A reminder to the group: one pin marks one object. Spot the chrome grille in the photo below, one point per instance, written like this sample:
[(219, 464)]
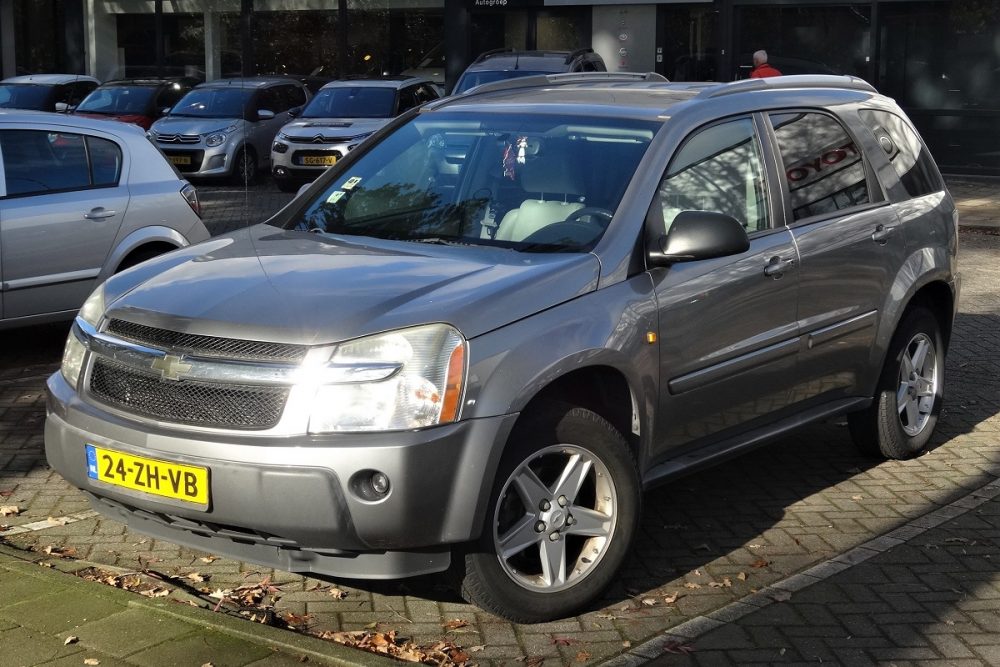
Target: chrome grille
[(206, 346), (217, 405), (318, 139), (178, 138)]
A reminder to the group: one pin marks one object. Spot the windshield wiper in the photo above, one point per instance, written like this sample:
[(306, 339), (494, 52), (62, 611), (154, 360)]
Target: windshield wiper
[(437, 240)]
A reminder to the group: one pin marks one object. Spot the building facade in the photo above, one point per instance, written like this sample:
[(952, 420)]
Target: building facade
[(939, 58)]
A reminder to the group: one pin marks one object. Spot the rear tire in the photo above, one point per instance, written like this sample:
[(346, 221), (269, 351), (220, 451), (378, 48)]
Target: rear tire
[(287, 186), (562, 514), (901, 420)]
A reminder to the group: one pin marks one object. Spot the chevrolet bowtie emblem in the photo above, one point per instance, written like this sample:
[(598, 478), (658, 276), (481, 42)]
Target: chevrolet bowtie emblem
[(170, 367)]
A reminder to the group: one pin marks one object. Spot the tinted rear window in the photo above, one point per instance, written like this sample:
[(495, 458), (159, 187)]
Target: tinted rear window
[(906, 152)]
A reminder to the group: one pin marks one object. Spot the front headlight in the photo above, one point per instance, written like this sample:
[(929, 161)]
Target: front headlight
[(216, 139), (91, 313), (404, 379)]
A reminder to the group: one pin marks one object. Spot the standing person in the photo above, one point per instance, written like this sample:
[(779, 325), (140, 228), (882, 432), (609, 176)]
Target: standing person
[(760, 66)]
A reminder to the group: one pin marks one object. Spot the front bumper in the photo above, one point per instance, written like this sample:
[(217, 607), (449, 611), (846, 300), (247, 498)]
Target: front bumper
[(293, 163), (199, 160), (288, 502)]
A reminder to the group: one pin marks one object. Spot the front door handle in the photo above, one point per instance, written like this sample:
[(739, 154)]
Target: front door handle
[(99, 213), (882, 233), (777, 266)]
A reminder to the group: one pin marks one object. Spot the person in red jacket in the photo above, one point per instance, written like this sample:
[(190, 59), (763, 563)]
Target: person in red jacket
[(760, 66)]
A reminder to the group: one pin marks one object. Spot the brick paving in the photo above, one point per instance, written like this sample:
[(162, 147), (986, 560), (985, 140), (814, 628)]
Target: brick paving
[(705, 541)]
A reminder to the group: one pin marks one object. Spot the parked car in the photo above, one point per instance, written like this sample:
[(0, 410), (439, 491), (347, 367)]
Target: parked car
[(334, 122), (477, 339), (137, 101), (45, 92), (510, 64), (224, 128), (81, 199)]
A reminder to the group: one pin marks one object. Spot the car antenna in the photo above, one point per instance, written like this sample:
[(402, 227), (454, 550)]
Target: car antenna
[(517, 61)]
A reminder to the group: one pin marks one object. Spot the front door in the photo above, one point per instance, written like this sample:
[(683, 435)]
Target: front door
[(61, 211), (727, 326)]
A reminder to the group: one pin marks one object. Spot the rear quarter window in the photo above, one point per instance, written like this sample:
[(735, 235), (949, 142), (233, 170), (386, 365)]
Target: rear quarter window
[(907, 154)]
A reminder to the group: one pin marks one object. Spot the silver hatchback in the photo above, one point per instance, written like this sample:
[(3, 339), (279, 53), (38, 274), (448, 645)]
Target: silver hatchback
[(224, 128), (81, 199)]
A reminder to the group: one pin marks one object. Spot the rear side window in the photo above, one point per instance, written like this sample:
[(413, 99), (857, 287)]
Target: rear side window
[(907, 154), (824, 169), (36, 162)]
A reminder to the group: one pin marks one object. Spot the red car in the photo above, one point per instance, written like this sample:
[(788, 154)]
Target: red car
[(137, 101)]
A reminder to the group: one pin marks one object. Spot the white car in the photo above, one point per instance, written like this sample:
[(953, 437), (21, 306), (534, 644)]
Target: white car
[(342, 114), (81, 199)]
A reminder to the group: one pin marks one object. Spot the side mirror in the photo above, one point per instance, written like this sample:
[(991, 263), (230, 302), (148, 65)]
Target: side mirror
[(165, 110), (696, 235), (294, 112), (62, 107), (265, 114)]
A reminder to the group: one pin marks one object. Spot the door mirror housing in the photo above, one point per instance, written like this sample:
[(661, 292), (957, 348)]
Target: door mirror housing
[(63, 107), (294, 112), (696, 235), (265, 114)]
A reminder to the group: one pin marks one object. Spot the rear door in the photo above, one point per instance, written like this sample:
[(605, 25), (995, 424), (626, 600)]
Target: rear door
[(63, 202), (850, 248), (727, 326)]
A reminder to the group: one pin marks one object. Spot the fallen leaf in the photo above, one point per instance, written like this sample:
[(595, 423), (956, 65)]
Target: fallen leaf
[(672, 598), (677, 647), (725, 583), (857, 497), (692, 585), (607, 617), (9, 510), (649, 602), (454, 624), (6, 494), (337, 594), (72, 639), (196, 577), (62, 521), (759, 563), (626, 644), (755, 546), (208, 559), (372, 626), (781, 596), (219, 593), (91, 661), (208, 664), (562, 641), (477, 648), (582, 656), (742, 576)]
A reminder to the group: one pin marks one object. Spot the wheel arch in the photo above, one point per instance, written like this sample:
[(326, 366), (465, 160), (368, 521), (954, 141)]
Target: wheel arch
[(153, 236)]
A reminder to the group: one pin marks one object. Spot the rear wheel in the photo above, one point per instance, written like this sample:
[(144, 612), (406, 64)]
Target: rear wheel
[(902, 418), (563, 512), (286, 185)]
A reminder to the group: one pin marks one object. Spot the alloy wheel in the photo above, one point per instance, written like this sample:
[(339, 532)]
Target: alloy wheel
[(918, 384)]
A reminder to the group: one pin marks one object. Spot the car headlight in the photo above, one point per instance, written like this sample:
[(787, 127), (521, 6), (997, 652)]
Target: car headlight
[(283, 136), (216, 139), (152, 134), (90, 313), (403, 379)]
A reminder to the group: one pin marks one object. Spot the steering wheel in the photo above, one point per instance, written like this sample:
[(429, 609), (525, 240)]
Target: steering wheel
[(603, 215), (567, 232)]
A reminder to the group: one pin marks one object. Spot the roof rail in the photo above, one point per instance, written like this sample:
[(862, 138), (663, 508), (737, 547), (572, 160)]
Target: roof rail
[(567, 77), (492, 52), (795, 81)]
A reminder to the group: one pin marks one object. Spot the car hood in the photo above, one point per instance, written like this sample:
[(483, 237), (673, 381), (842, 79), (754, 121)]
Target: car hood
[(265, 283), (185, 125), (333, 127)]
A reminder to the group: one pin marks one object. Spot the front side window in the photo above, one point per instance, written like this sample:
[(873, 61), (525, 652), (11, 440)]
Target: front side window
[(25, 96), (907, 154), (37, 161), (824, 168), (527, 183), (718, 169)]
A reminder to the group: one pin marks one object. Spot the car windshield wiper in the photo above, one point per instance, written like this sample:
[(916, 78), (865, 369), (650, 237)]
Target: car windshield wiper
[(437, 240)]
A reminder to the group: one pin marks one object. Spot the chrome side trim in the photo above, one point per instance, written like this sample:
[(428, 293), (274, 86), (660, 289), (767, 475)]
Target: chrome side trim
[(705, 376), (834, 331), (51, 279)]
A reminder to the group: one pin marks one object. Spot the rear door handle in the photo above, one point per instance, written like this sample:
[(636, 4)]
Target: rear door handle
[(882, 233), (99, 213), (777, 266)]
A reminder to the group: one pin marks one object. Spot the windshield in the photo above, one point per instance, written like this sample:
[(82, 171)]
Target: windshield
[(352, 102), (473, 79), (214, 103), (118, 100), (534, 183), (25, 96)]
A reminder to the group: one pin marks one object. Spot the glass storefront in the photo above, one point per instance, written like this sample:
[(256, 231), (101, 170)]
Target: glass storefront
[(690, 42)]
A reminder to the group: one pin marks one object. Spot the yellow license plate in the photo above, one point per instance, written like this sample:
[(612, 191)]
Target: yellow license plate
[(319, 160), (179, 159), (160, 478)]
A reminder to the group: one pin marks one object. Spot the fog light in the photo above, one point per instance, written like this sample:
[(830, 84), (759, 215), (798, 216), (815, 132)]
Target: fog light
[(380, 483), (280, 172)]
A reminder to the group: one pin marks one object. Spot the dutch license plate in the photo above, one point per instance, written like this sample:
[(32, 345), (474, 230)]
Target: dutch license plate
[(160, 478), (319, 160), (180, 159)]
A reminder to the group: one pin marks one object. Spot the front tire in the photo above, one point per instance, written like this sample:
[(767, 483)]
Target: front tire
[(562, 514), (900, 422), (244, 167)]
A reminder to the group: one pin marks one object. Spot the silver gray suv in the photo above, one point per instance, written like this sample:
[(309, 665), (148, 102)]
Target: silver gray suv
[(478, 338)]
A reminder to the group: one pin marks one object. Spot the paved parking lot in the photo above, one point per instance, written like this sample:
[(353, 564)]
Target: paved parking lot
[(706, 543)]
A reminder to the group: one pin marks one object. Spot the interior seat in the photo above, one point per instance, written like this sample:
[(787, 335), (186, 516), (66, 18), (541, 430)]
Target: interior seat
[(557, 184)]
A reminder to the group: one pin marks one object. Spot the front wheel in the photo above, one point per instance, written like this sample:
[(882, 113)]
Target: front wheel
[(902, 418), (244, 167), (562, 515)]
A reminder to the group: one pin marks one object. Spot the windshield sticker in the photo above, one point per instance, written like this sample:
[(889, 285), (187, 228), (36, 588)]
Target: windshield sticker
[(335, 197), (351, 183)]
